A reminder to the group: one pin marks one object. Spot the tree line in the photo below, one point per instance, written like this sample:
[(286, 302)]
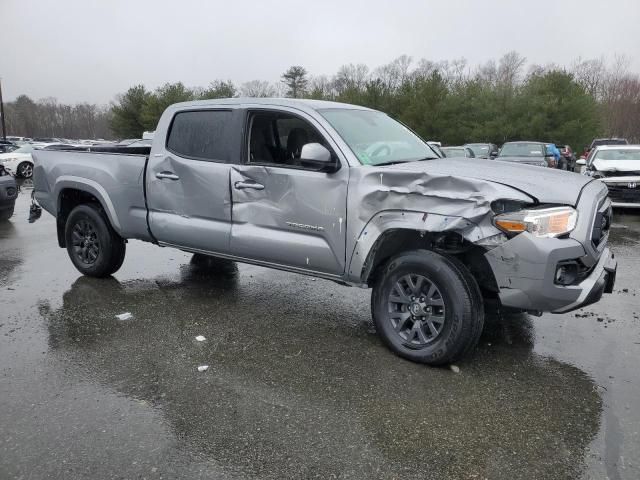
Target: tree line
[(449, 101), (47, 118)]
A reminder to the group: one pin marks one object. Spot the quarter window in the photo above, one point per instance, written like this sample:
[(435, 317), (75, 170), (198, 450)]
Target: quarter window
[(201, 134)]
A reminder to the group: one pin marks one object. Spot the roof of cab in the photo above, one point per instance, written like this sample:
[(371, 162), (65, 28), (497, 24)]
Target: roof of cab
[(299, 103)]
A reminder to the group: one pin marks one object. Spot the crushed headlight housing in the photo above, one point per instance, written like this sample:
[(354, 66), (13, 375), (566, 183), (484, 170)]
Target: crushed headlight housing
[(544, 222)]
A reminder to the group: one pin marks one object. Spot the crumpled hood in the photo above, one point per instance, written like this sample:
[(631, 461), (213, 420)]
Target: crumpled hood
[(617, 165), (546, 185)]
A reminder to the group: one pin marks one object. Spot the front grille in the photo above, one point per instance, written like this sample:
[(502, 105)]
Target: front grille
[(616, 173), (624, 193), (601, 224)]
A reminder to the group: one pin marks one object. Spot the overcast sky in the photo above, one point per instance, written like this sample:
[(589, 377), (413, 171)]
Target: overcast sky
[(90, 50)]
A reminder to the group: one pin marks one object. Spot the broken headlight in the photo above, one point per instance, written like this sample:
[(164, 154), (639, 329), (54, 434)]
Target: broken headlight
[(544, 222)]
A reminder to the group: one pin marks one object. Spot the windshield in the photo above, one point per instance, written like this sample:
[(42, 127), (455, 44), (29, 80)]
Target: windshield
[(522, 149), (24, 149), (618, 154), (453, 152), (376, 138), (479, 149)]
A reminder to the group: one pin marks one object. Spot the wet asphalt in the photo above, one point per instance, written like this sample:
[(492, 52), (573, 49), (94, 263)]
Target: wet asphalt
[(298, 384)]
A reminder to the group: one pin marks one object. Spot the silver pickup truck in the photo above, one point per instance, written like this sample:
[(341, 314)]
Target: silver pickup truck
[(343, 193)]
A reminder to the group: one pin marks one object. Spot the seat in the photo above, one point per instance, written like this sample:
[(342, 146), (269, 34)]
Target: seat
[(258, 150), (297, 138)]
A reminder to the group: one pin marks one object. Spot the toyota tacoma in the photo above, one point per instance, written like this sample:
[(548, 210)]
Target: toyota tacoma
[(344, 193)]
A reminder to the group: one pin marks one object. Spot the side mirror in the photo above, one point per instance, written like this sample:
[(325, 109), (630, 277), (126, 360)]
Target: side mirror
[(316, 155), (581, 161), (493, 154)]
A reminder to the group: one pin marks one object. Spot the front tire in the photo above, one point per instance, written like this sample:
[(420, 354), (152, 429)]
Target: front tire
[(427, 307), (25, 170), (95, 249)]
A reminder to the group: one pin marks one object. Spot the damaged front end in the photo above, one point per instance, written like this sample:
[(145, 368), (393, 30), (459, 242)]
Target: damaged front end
[(533, 254), (401, 209)]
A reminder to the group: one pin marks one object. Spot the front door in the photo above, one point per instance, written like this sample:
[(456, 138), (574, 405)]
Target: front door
[(283, 213), (188, 181)]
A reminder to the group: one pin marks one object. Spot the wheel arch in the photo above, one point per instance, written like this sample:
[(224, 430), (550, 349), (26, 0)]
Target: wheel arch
[(71, 193), (389, 233)]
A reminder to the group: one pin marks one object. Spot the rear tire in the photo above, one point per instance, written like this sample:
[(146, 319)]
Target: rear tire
[(427, 307), (95, 249)]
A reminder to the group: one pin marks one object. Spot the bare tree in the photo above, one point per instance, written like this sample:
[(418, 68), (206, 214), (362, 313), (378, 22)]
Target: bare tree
[(510, 69), (257, 88), (320, 87), (350, 77), (591, 75)]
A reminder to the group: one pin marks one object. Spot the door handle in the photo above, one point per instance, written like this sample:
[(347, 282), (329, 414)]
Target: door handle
[(253, 185), (169, 175)]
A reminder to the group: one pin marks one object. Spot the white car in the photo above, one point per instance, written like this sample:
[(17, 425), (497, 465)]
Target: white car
[(619, 167), (19, 162)]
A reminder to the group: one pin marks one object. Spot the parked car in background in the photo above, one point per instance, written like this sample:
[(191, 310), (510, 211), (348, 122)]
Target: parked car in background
[(436, 147), (19, 162), (464, 152), (126, 141), (598, 142), (6, 146), (568, 161), (618, 166), (483, 150), (15, 139), (528, 153), (8, 194), (46, 140)]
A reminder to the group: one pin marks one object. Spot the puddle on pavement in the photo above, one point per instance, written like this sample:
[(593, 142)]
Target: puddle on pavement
[(298, 386)]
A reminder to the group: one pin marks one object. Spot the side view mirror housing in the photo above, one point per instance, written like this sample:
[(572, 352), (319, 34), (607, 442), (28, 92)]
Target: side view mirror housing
[(318, 156), (581, 161)]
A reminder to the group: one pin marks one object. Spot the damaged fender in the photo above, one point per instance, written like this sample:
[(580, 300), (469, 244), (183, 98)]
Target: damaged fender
[(420, 201)]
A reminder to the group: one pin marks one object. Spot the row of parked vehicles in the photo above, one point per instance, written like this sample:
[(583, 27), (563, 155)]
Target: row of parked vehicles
[(16, 152), (541, 154)]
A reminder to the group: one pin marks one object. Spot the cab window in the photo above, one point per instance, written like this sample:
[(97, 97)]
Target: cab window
[(277, 138)]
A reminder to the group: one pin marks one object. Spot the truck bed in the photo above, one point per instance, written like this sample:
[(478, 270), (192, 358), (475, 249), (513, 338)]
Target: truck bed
[(114, 175)]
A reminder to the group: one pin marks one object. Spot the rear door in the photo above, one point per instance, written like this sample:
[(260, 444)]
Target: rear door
[(285, 214), (188, 179)]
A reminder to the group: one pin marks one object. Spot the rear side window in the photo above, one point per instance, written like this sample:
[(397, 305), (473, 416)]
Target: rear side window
[(201, 135)]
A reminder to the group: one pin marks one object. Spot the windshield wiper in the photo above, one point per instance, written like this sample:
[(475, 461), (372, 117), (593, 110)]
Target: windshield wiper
[(391, 162), (394, 162)]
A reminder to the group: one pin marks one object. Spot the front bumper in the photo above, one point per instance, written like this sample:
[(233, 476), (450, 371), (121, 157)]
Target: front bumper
[(601, 280), (525, 266), (624, 192), (525, 269)]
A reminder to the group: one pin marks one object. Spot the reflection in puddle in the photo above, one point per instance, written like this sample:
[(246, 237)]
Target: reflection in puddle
[(297, 387)]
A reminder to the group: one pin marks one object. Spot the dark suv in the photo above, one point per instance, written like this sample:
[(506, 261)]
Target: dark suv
[(8, 194), (483, 150)]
